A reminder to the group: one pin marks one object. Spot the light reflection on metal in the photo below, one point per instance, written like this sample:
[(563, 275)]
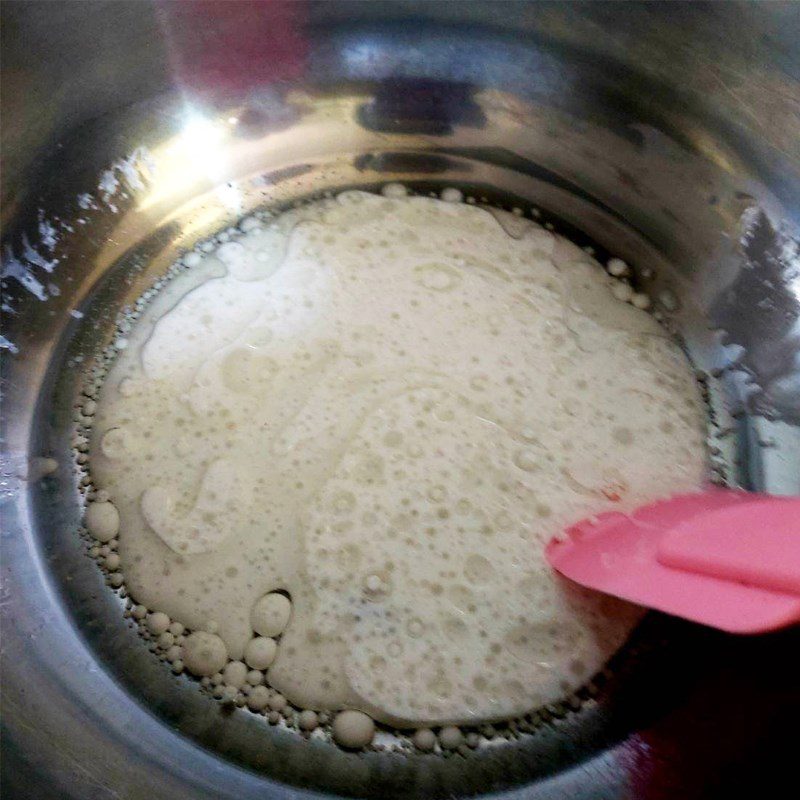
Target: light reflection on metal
[(578, 105)]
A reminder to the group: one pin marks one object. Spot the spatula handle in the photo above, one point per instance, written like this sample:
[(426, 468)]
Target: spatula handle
[(756, 542)]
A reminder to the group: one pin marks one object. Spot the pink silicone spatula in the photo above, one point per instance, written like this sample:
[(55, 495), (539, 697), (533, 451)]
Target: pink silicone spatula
[(724, 558)]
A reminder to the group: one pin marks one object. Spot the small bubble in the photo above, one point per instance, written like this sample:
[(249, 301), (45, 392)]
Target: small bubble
[(526, 460), (623, 435), (393, 439), (344, 502), (437, 277), (478, 569), (394, 649)]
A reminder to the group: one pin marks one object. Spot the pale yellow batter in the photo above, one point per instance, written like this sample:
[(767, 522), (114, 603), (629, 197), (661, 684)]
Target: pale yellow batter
[(385, 407)]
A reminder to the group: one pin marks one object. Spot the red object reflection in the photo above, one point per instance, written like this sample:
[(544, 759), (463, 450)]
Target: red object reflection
[(225, 50)]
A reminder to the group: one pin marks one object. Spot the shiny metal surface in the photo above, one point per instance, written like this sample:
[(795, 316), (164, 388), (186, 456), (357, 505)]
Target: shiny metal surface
[(665, 133)]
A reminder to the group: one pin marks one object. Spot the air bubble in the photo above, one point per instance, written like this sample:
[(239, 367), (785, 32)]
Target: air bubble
[(394, 191), (622, 291), (451, 737), (526, 460), (437, 277), (618, 268), (452, 195), (478, 569)]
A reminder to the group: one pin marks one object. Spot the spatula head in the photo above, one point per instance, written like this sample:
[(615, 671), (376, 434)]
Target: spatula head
[(619, 555)]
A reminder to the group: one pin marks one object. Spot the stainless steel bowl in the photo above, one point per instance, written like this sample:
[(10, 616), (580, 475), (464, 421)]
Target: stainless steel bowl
[(668, 134)]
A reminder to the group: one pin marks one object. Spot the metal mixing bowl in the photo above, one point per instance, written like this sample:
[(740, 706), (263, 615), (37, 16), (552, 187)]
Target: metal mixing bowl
[(668, 134)]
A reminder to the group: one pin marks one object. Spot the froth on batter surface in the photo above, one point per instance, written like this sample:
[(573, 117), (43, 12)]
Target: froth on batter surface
[(384, 407)]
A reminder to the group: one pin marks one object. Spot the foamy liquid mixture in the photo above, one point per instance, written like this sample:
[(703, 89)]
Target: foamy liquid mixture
[(385, 407)]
